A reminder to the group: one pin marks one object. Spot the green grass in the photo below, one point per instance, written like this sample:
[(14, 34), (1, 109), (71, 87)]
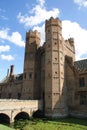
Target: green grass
[(3, 127), (60, 124)]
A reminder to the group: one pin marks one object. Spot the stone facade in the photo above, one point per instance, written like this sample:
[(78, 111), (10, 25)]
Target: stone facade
[(51, 74)]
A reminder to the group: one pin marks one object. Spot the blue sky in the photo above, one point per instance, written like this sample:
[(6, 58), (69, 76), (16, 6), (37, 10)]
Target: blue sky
[(19, 16)]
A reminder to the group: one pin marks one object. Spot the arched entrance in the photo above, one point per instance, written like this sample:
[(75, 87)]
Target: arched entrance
[(4, 118), (21, 116)]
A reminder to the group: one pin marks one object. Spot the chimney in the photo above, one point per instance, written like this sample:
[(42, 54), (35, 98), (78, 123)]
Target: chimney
[(12, 71), (7, 72)]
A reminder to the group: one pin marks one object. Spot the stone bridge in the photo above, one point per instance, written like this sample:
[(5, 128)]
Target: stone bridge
[(10, 108)]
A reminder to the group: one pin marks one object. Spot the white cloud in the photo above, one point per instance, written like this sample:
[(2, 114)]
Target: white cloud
[(73, 29), (70, 29), (41, 2), (39, 14), (4, 48), (15, 37), (81, 3), (3, 17), (7, 57), (4, 33)]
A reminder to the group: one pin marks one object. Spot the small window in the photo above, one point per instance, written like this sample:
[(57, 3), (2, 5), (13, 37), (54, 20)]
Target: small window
[(55, 58), (55, 72), (55, 43), (82, 82), (30, 75), (83, 99)]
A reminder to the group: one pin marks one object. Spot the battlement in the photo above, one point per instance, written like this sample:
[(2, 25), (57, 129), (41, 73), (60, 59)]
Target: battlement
[(71, 41), (33, 34), (70, 44), (54, 22)]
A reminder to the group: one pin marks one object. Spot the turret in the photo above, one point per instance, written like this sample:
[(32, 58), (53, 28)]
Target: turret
[(70, 48), (33, 36), (55, 95), (32, 45), (56, 24)]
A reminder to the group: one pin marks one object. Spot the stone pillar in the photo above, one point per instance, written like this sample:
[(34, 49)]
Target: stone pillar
[(11, 118)]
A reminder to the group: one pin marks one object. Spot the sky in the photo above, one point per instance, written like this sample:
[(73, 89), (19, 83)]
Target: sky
[(19, 16)]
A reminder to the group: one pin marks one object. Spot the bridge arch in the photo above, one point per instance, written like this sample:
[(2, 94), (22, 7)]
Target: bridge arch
[(4, 118), (21, 115)]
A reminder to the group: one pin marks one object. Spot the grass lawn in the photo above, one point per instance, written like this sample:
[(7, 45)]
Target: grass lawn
[(3, 127), (60, 124)]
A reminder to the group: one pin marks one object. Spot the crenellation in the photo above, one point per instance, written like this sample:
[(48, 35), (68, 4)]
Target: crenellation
[(50, 74), (33, 34), (69, 48), (70, 44), (53, 22), (33, 37)]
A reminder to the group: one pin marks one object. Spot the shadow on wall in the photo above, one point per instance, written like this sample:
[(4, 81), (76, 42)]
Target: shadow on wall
[(67, 91), (38, 114)]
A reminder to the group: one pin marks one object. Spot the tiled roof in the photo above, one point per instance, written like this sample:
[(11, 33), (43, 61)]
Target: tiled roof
[(81, 65)]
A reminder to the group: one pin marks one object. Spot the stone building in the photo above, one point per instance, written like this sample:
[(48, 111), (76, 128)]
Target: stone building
[(50, 74)]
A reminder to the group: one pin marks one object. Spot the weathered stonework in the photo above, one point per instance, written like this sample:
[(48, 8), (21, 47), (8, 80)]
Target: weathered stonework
[(50, 74), (12, 107)]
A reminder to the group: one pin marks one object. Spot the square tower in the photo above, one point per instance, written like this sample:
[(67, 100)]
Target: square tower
[(55, 91), (30, 62)]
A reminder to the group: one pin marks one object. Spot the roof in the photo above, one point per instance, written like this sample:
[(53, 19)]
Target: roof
[(17, 77), (81, 65), (5, 80)]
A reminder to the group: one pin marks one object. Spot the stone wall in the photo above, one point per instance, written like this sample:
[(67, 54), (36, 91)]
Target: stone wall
[(11, 107)]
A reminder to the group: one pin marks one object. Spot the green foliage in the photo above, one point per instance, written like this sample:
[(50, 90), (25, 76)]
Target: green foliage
[(45, 124), (3, 127), (20, 124), (60, 124)]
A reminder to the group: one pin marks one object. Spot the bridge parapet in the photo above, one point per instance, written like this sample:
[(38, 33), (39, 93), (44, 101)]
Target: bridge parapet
[(12, 107), (17, 104)]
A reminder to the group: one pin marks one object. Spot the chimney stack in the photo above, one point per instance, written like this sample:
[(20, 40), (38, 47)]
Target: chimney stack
[(8, 73), (12, 71)]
